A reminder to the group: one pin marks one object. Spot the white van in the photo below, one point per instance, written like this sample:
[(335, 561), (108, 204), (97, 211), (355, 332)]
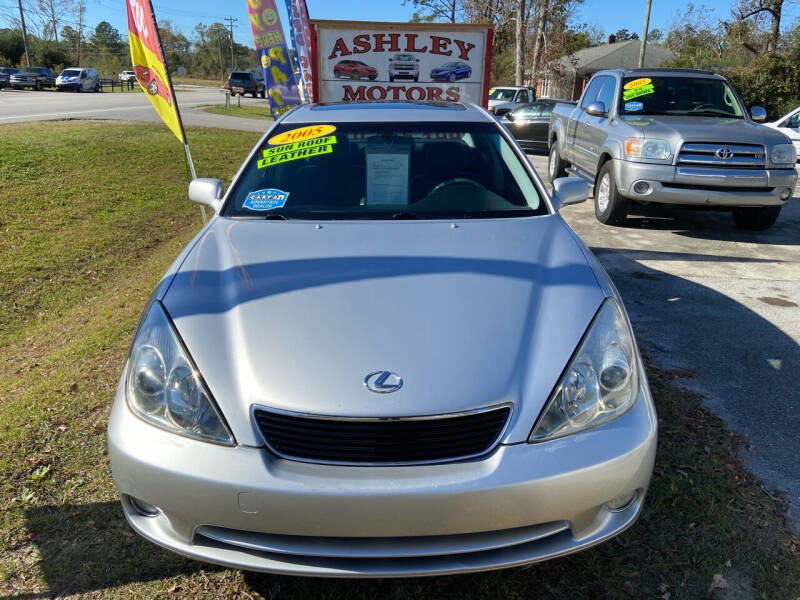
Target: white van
[(78, 79), (790, 125)]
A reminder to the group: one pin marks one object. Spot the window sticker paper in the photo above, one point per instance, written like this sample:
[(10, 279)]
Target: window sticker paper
[(265, 199), (642, 90), (300, 134), (633, 106), (636, 83)]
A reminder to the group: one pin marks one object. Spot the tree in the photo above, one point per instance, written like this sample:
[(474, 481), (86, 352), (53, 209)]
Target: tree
[(11, 46), (429, 11), (105, 37), (623, 35), (52, 12), (755, 9)]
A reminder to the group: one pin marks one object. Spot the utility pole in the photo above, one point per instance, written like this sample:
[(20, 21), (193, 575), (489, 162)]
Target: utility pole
[(231, 21), (24, 33), (644, 33), (81, 10)]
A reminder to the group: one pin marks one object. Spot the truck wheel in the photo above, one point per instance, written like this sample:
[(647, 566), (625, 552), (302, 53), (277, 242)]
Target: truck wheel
[(610, 207), (38, 86), (555, 166), (264, 93), (756, 218)]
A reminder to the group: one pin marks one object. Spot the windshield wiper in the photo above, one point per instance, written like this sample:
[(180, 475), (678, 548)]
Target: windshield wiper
[(404, 216), (275, 217)]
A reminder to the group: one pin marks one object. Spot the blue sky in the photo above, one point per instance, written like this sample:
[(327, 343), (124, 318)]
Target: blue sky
[(609, 16)]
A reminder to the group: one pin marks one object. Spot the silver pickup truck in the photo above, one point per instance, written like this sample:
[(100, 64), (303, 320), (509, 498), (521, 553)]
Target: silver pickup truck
[(672, 136)]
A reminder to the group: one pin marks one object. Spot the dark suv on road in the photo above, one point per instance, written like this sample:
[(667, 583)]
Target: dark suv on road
[(354, 69), (5, 75), (245, 82), (35, 78)]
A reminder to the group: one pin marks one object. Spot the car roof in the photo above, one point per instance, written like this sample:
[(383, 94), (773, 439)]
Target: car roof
[(662, 72), (380, 112)]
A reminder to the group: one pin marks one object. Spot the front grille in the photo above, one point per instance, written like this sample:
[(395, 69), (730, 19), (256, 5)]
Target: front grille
[(437, 438), (745, 156)]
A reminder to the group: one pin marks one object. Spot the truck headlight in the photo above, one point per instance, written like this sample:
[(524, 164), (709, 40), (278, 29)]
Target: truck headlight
[(601, 382), (650, 148), (783, 155), (164, 388)]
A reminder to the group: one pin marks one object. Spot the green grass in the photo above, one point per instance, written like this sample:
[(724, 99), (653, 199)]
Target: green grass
[(85, 238), (249, 111), (177, 80)]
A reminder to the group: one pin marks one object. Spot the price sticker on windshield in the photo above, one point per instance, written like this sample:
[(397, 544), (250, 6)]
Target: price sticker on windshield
[(301, 134), (637, 83)]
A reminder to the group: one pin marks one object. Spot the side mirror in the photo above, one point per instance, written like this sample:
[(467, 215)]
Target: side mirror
[(569, 190), (758, 113), (597, 109), (207, 192)]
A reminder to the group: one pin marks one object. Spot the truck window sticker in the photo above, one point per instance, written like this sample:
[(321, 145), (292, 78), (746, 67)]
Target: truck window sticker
[(643, 90), (265, 199), (633, 106), (636, 83)]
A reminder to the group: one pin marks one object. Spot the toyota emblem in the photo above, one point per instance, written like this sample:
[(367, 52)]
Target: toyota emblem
[(724, 153)]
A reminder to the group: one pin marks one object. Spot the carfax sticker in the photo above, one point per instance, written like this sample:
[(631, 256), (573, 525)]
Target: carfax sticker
[(637, 83), (287, 152), (301, 133), (265, 199), (633, 106), (642, 90)]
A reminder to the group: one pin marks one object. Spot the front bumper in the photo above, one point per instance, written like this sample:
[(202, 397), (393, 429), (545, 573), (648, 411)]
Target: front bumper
[(68, 86), (244, 508), (672, 184)]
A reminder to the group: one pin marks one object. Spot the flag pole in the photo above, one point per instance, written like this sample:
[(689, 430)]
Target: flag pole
[(177, 108)]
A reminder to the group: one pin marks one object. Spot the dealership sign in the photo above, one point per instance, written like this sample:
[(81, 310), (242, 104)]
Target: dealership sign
[(365, 61)]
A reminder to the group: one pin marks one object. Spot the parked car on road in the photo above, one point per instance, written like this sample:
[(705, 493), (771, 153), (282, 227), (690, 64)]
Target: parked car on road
[(403, 66), (451, 71), (78, 79), (5, 75), (35, 78), (789, 125), (354, 69), (672, 136), (530, 124), (245, 82), (127, 76), (507, 98), (385, 355)]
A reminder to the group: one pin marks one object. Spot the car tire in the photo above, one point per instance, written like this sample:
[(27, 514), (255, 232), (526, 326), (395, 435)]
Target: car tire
[(355, 75), (38, 86), (416, 78), (336, 74), (152, 87), (264, 93), (452, 77), (391, 77), (758, 218), (610, 207), (254, 93), (373, 77), (556, 167)]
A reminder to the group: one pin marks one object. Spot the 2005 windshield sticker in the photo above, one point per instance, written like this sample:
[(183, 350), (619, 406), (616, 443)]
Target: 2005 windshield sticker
[(638, 87), (265, 199), (298, 143)]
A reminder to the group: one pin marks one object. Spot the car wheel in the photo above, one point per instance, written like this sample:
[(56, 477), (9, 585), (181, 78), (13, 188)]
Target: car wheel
[(373, 77), (610, 207), (336, 74), (556, 167), (391, 77), (756, 218), (38, 86), (264, 93), (416, 78), (452, 77), (254, 93), (152, 87), (355, 75)]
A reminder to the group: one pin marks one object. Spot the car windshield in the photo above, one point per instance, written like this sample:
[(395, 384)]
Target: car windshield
[(450, 64), (403, 57), (70, 73), (240, 75), (385, 171), (501, 94), (31, 71), (682, 96)]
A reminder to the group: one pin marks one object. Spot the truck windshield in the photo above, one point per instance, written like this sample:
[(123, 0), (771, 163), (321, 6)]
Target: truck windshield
[(681, 96), (501, 94), (385, 171)]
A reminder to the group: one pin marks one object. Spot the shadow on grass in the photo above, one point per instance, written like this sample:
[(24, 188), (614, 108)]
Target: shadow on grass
[(88, 547)]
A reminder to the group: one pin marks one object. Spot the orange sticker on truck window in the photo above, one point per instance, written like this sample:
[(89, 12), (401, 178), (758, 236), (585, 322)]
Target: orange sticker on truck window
[(300, 134), (631, 85)]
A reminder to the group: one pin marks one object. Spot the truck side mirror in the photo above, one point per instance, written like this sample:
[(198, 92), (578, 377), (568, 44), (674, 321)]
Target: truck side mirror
[(569, 190), (758, 113), (207, 192), (597, 109)]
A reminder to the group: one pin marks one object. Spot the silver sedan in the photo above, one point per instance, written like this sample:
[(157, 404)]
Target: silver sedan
[(386, 355)]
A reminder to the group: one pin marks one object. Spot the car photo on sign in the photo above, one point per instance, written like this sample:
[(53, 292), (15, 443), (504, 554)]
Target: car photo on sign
[(451, 71), (354, 69)]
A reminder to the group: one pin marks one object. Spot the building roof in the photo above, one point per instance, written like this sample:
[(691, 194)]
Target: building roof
[(618, 55)]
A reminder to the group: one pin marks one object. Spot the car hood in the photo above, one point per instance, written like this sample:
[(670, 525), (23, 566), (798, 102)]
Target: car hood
[(705, 129), (294, 316)]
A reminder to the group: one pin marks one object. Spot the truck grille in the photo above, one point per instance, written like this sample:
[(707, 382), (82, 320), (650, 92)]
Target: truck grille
[(411, 440), (740, 156)]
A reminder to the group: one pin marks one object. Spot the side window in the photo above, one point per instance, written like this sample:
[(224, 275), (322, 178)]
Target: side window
[(522, 96), (547, 110), (606, 95), (529, 112), (793, 121), (590, 94)]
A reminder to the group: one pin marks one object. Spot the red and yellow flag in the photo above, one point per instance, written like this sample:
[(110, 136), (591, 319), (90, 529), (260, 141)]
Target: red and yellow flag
[(149, 64)]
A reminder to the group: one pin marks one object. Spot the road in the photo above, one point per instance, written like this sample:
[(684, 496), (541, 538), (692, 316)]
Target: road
[(718, 305), (22, 105), (722, 307)]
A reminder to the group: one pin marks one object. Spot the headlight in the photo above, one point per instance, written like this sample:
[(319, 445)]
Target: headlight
[(601, 382), (164, 388), (783, 154), (653, 149)]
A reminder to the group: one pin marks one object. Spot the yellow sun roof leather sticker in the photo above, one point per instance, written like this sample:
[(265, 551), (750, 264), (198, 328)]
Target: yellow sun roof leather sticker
[(303, 149), (301, 133)]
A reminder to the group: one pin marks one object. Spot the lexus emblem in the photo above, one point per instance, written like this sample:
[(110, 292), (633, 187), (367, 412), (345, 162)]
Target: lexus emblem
[(383, 382), (724, 153)]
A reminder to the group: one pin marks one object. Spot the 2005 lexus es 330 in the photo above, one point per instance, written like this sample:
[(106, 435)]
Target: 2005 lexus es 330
[(385, 355)]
